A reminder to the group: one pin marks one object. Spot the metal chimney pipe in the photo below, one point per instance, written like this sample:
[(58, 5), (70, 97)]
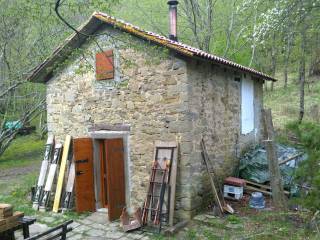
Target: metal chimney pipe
[(173, 19)]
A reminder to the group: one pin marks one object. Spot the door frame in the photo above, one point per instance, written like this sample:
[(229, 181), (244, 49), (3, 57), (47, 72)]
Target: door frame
[(101, 135), (103, 167)]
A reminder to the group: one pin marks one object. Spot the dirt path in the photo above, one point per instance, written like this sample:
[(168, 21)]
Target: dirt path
[(10, 173)]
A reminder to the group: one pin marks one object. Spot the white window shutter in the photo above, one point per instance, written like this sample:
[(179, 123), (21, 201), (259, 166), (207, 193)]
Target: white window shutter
[(247, 110)]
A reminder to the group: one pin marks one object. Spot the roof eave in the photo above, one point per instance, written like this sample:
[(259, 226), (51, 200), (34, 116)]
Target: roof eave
[(44, 71)]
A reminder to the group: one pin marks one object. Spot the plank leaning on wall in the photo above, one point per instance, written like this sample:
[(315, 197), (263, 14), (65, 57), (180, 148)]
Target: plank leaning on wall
[(63, 165)]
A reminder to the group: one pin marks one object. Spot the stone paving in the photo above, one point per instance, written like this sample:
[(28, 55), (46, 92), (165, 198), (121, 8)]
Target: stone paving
[(95, 226)]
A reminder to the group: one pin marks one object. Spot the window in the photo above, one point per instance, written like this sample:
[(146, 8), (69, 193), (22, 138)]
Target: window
[(247, 110), (105, 65)]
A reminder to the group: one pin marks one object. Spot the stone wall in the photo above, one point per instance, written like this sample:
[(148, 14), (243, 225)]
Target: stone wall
[(162, 97), (148, 93), (214, 111)]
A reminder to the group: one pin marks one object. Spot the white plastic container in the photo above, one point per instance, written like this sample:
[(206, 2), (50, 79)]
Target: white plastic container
[(233, 192)]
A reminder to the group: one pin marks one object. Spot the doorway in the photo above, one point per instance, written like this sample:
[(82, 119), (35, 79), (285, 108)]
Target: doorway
[(103, 175), (112, 176)]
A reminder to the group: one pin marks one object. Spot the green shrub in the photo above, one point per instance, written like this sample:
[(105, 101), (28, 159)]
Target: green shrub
[(308, 135), (233, 219)]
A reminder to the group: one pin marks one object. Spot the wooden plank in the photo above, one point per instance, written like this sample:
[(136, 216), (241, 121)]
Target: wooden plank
[(278, 196), (11, 222), (6, 210), (16, 215), (2, 222), (211, 175), (84, 182), (67, 202), (251, 186), (258, 184), (51, 178), (8, 226), (57, 197), (290, 158), (43, 171), (4, 206), (174, 229), (254, 189), (173, 184), (115, 177)]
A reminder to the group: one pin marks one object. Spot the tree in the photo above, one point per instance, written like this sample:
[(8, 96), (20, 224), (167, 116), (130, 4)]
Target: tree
[(29, 32), (199, 15)]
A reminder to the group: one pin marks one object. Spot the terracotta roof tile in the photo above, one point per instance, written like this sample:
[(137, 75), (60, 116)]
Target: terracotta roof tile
[(43, 71)]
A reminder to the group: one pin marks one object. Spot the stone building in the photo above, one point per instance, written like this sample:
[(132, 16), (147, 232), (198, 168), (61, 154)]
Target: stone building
[(141, 87)]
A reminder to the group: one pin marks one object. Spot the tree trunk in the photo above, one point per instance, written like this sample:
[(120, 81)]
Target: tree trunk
[(279, 199), (302, 72), (286, 59), (286, 74), (273, 58), (315, 57), (229, 30), (253, 37)]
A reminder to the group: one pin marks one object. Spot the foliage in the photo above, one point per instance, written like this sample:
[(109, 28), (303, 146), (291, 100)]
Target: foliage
[(191, 234), (271, 36), (23, 154), (23, 151), (267, 35), (285, 102), (29, 32), (233, 219), (309, 171)]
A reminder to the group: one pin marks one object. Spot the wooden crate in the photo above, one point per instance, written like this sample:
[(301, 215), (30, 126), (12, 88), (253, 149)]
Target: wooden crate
[(2, 222), (10, 222), (256, 187), (6, 210)]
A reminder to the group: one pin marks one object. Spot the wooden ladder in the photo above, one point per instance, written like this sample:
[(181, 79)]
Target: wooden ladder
[(152, 209)]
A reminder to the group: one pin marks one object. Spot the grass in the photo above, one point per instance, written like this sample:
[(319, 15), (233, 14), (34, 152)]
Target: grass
[(255, 225), (19, 197), (285, 102), (24, 151)]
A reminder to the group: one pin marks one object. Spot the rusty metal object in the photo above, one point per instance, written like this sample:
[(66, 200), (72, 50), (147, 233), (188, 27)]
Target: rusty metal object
[(129, 224)]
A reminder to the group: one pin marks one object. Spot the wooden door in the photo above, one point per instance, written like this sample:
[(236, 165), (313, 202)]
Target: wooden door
[(84, 182), (103, 175), (115, 177)]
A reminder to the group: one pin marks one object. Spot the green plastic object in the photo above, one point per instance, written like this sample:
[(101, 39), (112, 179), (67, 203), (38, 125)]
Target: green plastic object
[(13, 125), (254, 166)]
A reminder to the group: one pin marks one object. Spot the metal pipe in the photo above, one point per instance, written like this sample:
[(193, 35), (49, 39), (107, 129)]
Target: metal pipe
[(173, 19)]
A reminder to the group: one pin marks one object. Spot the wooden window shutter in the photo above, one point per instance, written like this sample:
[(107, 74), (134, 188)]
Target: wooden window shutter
[(105, 65)]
